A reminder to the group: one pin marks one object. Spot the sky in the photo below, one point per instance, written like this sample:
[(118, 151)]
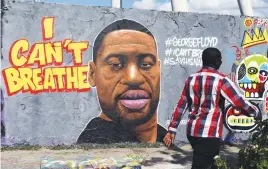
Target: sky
[(228, 7)]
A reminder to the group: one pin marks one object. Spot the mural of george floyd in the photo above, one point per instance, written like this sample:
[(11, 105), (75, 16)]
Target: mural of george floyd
[(79, 74)]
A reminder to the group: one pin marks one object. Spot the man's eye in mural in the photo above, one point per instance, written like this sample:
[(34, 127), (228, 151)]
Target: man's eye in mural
[(252, 75), (237, 120), (146, 66), (116, 66)]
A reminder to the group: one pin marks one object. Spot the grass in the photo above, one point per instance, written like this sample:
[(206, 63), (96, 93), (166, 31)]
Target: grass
[(81, 146)]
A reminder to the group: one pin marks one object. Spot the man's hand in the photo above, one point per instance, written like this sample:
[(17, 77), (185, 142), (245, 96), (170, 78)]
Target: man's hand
[(169, 139), (256, 114)]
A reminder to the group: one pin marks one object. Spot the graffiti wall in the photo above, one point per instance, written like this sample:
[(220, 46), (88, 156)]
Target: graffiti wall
[(127, 162), (23, 77), (75, 74), (250, 72)]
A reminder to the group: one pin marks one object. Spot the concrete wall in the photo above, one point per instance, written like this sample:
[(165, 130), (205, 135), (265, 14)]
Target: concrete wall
[(59, 117)]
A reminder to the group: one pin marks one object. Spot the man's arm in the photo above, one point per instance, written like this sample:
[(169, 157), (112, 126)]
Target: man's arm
[(230, 92), (179, 110)]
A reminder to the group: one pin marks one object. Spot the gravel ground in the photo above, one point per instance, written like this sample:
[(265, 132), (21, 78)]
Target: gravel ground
[(154, 158)]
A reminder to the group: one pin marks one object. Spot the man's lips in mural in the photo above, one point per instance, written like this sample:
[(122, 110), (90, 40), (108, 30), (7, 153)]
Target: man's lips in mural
[(134, 99)]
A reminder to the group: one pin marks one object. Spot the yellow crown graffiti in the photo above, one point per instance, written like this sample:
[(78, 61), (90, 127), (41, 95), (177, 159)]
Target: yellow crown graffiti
[(254, 37)]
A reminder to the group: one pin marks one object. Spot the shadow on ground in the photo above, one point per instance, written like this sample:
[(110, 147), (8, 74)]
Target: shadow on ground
[(230, 154), (175, 155)]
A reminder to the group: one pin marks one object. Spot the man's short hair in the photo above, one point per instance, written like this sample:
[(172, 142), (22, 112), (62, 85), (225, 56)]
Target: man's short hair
[(123, 24), (210, 56)]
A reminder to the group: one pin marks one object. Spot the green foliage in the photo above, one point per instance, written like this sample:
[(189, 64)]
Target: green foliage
[(221, 164), (81, 146), (255, 155), (21, 147)]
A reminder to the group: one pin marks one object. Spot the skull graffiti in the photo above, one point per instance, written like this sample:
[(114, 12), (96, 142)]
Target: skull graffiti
[(252, 75)]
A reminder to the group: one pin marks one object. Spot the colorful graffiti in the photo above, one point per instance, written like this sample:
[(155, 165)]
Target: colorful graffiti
[(250, 73), (238, 121), (93, 163), (248, 22), (127, 80), (265, 107), (47, 72), (261, 22), (22, 76), (254, 37)]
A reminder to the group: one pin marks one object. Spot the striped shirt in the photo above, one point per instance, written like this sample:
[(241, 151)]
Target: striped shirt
[(204, 94)]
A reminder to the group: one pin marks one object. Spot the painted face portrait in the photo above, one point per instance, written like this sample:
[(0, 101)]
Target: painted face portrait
[(127, 76), (125, 71)]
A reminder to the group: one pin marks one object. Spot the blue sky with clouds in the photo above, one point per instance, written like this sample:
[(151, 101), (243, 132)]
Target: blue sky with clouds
[(229, 7)]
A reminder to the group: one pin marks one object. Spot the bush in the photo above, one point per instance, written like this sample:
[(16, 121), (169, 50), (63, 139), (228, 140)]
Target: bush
[(221, 164), (255, 155)]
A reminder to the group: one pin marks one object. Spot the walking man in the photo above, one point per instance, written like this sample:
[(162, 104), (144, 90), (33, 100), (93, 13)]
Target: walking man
[(204, 94)]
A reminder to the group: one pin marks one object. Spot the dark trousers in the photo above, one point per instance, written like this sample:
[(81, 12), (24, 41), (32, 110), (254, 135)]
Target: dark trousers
[(205, 149)]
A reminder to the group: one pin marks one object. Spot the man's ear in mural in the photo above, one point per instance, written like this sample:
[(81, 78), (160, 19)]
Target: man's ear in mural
[(91, 73)]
